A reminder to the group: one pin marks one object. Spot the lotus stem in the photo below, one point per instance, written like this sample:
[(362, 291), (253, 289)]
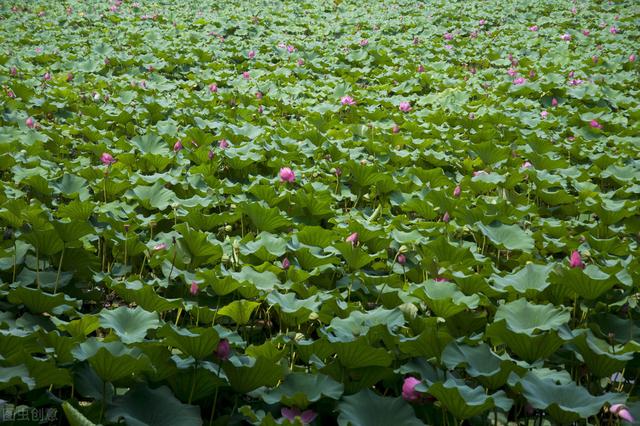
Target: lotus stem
[(193, 382), (55, 289)]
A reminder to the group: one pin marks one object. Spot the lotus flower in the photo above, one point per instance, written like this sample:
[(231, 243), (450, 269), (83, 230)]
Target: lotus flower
[(285, 264), (534, 28), (554, 102), (395, 129), (13, 71), (69, 76), (527, 165), (338, 172), (622, 412), (46, 76), (11, 94), (211, 154), (512, 72), (574, 10), (107, 159), (594, 124), (353, 239), (291, 49), (409, 392), (194, 289), (251, 54), (223, 144), (632, 58), (575, 260), (287, 175), (613, 30), (347, 100), (401, 259), (586, 33), (520, 80), (420, 68), (405, 106), (446, 218), (457, 191), (177, 146), (543, 114), (364, 42), (260, 109), (305, 417), (246, 75), (566, 37), (300, 62), (223, 351), (595, 59), (259, 95), (30, 122), (448, 36), (159, 247), (213, 88), (441, 280), (482, 22)]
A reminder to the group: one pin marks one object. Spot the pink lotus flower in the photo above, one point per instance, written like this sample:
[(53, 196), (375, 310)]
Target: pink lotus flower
[(13, 71), (575, 260), (448, 36), (223, 144), (246, 75), (586, 33), (395, 129), (613, 30), (30, 122), (194, 289), (291, 49), (177, 146), (300, 62), (448, 46), (420, 68), (554, 102), (210, 155), (223, 351), (46, 76), (405, 106), (143, 84), (594, 124), (527, 165), (622, 412), (574, 10), (69, 77), (566, 37), (482, 22), (512, 72), (473, 34), (353, 239), (347, 100), (159, 247), (251, 54), (305, 417), (532, 74), (213, 88), (479, 172), (285, 264), (441, 280), (543, 114), (534, 28), (287, 175), (576, 82), (401, 259), (632, 58), (107, 159), (260, 109), (38, 49), (409, 392), (11, 94), (364, 42), (520, 80), (457, 191), (338, 172), (446, 218)]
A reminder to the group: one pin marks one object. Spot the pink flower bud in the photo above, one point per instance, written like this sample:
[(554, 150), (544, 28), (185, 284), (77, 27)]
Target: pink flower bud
[(287, 175), (446, 218), (575, 260), (251, 54), (457, 191), (420, 68), (194, 289), (177, 146), (223, 351), (246, 75), (401, 259), (632, 58), (223, 144), (594, 124), (409, 392), (107, 159), (30, 122), (353, 239), (159, 247), (213, 88), (554, 102), (405, 106), (622, 412), (285, 264)]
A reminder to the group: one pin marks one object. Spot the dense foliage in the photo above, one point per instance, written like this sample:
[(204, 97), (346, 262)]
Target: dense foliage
[(362, 212)]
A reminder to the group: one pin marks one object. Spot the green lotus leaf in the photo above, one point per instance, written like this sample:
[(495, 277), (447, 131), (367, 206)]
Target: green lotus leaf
[(444, 298), (75, 417), (601, 357), (144, 296), (18, 376), (524, 317), (480, 362), (130, 325), (46, 242), (510, 237), (590, 282), (464, 402), (246, 373), (239, 310), (155, 196), (530, 278), (301, 389), (265, 218), (359, 353), (565, 403), (368, 409), (355, 257), (266, 280), (37, 301), (199, 384), (158, 407), (112, 361), (198, 342)]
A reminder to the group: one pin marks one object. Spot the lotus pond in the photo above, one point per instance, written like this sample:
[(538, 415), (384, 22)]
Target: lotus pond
[(309, 212)]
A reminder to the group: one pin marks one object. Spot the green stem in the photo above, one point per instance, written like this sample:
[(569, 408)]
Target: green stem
[(38, 268), (104, 400), (193, 382), (55, 289)]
